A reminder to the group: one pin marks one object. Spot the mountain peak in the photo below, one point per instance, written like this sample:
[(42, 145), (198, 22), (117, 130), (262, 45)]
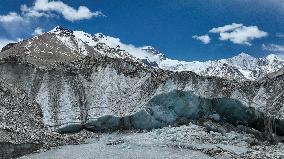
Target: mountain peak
[(99, 35), (154, 51), (61, 31), (243, 60), (58, 28), (244, 55), (274, 57)]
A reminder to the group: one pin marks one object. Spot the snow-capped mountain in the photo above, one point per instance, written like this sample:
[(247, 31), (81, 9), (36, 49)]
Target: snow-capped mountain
[(240, 67), (61, 43)]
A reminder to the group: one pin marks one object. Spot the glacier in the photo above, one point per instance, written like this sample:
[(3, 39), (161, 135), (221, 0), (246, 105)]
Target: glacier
[(113, 94)]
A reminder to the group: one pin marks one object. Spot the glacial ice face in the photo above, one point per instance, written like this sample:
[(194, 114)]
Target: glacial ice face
[(161, 110), (178, 107), (234, 112)]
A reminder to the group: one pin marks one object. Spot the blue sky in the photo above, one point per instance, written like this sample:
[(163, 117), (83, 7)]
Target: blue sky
[(174, 27)]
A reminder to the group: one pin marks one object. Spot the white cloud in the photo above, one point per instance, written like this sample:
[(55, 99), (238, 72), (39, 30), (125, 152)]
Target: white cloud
[(21, 24), (205, 39), (273, 48), (135, 51), (46, 7), (14, 23), (238, 33), (30, 12), (38, 31), (11, 17), (225, 28)]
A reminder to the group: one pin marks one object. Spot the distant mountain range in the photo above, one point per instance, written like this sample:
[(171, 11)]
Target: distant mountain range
[(240, 67)]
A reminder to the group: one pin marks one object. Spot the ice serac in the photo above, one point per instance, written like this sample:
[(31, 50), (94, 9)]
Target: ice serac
[(81, 83)]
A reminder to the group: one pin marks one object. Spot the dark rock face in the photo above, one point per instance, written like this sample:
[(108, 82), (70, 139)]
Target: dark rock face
[(63, 31), (149, 63)]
